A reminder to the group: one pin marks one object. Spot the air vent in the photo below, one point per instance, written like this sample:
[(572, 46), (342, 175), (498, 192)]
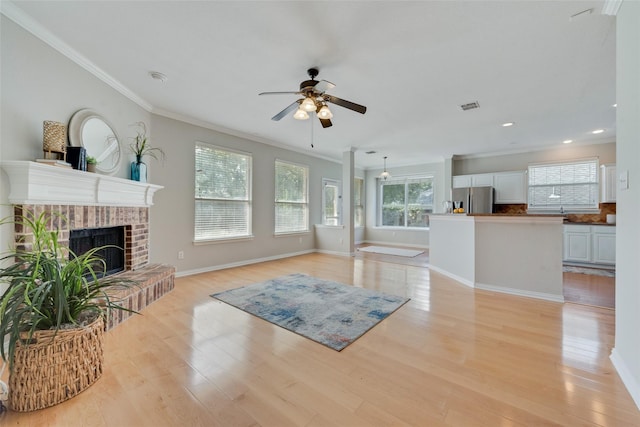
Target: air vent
[(370, 152), (470, 106)]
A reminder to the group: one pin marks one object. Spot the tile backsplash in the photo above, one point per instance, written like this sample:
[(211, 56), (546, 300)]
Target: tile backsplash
[(521, 209)]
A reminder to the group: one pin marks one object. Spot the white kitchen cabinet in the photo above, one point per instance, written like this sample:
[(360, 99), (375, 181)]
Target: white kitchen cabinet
[(461, 181), (603, 241), (577, 243), (482, 180), (608, 181), (510, 187), (590, 244)]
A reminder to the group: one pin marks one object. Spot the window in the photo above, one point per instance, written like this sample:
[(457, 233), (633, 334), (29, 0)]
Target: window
[(331, 198), (564, 186), (292, 198), (223, 193), (358, 202), (405, 202)]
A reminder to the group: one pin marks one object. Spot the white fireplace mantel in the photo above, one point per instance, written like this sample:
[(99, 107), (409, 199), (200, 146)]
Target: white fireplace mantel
[(33, 183)]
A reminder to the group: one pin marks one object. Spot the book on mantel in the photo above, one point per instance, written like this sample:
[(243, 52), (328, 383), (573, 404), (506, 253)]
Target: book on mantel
[(77, 156), (54, 162)]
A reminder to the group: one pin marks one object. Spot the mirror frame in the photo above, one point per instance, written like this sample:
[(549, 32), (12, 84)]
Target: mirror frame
[(76, 125)]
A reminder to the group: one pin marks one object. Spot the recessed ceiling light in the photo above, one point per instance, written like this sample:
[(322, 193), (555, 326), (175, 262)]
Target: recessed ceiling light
[(156, 75), (615, 105), (506, 125), (567, 141), (597, 131)]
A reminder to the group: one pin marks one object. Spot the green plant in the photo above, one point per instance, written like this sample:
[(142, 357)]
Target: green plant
[(141, 146), (49, 287), (92, 160)]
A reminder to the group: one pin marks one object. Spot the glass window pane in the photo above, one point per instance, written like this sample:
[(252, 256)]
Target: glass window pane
[(291, 196), (222, 193)]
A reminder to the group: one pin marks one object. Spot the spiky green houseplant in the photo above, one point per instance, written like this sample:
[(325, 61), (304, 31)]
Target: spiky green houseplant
[(49, 287)]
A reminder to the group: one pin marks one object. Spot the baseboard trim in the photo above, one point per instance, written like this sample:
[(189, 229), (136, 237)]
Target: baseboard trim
[(408, 245), (521, 293), (323, 251), (241, 263), (462, 280), (629, 381)]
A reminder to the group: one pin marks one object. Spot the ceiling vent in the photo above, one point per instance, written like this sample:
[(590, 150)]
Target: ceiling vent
[(470, 106), (370, 152)]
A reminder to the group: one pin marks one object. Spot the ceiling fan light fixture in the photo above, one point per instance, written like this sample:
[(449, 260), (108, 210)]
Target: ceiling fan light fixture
[(308, 104), (324, 113), (300, 114)]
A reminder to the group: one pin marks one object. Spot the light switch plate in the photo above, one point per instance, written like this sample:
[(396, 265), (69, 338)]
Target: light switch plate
[(623, 180)]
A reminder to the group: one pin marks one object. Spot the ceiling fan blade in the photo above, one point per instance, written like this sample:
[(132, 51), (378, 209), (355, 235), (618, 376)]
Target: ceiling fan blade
[(279, 93), (323, 86), (326, 123), (346, 104), (286, 111)]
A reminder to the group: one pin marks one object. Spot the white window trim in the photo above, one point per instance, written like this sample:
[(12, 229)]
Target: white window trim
[(561, 209), (294, 232), (224, 239), (399, 179), (338, 185)]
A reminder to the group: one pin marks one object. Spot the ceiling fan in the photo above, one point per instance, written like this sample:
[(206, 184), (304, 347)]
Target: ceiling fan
[(314, 99)]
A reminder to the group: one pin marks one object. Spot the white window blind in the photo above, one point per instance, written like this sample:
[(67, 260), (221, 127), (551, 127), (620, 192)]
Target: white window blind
[(291, 198), (222, 193), (570, 186)]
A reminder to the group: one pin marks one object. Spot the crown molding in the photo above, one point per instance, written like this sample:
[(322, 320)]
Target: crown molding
[(233, 132), (17, 15), (611, 7)]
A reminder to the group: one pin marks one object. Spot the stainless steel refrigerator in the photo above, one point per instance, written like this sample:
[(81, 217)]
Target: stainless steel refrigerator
[(474, 199)]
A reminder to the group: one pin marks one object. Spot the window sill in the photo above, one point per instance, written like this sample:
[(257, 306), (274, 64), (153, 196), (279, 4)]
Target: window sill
[(328, 226), (222, 240), (394, 228), (292, 233)]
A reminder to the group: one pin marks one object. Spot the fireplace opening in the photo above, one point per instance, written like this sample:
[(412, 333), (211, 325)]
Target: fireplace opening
[(83, 240)]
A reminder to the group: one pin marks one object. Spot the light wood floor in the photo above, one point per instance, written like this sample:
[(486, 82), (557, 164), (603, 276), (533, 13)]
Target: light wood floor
[(451, 356)]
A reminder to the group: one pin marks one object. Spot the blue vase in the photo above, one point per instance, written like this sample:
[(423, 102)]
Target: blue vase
[(138, 170)]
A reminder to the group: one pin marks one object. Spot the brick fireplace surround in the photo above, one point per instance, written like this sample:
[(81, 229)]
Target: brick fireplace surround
[(94, 201)]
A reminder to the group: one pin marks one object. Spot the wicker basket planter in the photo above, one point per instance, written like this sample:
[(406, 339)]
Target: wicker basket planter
[(52, 369)]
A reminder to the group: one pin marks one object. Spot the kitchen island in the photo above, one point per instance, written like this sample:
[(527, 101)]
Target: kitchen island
[(515, 254)]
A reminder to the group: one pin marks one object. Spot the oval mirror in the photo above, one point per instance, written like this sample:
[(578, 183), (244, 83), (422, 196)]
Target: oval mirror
[(90, 130)]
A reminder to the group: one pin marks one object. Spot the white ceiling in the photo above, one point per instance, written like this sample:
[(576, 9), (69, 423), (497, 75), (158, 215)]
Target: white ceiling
[(411, 63)]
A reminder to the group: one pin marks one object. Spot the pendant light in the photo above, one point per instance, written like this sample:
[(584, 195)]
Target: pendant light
[(385, 175)]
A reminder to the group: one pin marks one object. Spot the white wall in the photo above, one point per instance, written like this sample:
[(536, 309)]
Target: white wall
[(38, 83), (398, 235), (626, 354), (606, 153), (172, 216)]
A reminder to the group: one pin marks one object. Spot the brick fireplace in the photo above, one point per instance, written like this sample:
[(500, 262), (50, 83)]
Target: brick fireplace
[(80, 200), (65, 218)]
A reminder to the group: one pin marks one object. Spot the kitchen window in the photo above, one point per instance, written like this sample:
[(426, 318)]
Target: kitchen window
[(405, 202), (563, 187), (222, 193)]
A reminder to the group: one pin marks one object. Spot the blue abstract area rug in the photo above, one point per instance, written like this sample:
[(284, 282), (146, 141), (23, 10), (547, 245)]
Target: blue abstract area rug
[(327, 312)]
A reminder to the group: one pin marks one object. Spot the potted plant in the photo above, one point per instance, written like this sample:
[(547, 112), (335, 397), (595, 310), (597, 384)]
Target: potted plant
[(140, 148), (52, 315), (91, 164)]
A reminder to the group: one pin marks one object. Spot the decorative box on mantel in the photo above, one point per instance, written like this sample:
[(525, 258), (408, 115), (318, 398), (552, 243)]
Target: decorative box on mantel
[(35, 184)]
